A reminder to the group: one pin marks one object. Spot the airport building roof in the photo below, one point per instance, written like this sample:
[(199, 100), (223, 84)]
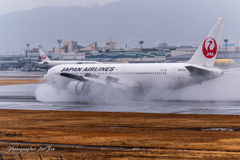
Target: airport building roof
[(220, 55)]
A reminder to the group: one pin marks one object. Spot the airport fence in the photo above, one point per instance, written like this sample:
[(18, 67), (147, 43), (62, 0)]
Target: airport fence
[(1, 157), (60, 157)]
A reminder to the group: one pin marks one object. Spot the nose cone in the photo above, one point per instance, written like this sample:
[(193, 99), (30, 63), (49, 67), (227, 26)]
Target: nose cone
[(49, 76)]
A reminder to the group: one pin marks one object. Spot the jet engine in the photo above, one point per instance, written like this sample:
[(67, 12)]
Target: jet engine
[(75, 87)]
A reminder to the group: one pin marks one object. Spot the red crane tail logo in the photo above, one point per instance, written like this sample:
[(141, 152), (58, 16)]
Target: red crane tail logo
[(43, 57), (209, 47)]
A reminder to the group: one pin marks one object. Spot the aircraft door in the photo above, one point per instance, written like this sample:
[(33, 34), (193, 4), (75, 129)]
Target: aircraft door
[(174, 73)]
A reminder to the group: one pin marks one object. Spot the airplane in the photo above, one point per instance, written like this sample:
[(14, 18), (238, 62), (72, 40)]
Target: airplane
[(78, 78), (48, 63)]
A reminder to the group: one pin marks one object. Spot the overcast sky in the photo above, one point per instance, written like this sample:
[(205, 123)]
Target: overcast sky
[(176, 22), (7, 6)]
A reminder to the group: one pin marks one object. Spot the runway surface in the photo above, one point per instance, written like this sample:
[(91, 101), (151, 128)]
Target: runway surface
[(20, 73), (29, 102), (22, 97)]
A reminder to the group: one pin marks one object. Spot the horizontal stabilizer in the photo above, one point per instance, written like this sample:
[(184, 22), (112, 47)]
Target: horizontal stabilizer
[(194, 71), (231, 70)]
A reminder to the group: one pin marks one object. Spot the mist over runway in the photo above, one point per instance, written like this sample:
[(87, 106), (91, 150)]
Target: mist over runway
[(178, 107), (224, 88), (218, 96)]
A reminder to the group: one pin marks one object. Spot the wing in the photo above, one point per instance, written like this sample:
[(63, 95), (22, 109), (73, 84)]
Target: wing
[(112, 81)]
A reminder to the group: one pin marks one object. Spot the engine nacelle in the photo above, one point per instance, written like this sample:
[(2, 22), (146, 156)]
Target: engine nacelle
[(75, 87)]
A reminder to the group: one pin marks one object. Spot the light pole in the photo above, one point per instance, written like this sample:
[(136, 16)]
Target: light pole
[(28, 56), (141, 42), (226, 41), (28, 50), (59, 41)]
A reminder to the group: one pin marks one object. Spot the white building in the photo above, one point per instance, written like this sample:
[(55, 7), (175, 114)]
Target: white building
[(70, 55), (111, 45)]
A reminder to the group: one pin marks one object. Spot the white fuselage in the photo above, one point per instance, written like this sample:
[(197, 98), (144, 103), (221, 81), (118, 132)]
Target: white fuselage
[(55, 63), (157, 75)]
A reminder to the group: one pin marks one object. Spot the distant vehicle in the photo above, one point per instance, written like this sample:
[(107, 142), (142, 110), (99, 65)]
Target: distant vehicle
[(77, 78), (227, 62), (48, 63)]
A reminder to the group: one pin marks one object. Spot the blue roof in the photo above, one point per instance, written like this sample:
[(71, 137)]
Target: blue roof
[(228, 45)]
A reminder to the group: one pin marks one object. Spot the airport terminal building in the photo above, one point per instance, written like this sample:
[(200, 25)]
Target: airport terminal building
[(112, 54)]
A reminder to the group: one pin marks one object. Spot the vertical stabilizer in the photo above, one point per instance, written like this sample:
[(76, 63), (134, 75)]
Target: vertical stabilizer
[(207, 51), (43, 56)]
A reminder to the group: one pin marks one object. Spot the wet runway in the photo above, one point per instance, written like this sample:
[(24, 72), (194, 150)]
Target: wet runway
[(22, 97), (20, 73)]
